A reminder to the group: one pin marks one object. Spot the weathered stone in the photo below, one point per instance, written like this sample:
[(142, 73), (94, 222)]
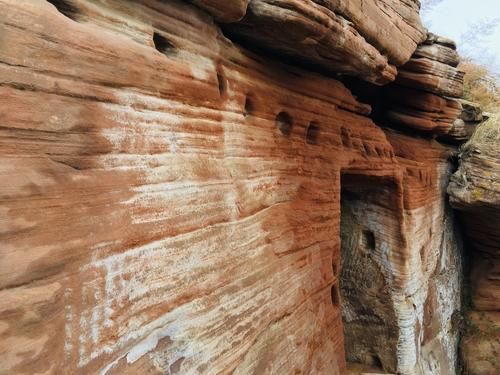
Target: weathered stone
[(224, 10), (481, 345), (422, 110), (423, 96), (432, 76), (463, 127), (475, 190), (335, 35), (472, 112), (439, 49)]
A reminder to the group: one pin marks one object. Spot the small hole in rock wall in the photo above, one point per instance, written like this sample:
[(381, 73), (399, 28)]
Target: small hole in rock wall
[(369, 238), (344, 134), (284, 123), (422, 254), (65, 7), (376, 362), (221, 81), (335, 296), (162, 44), (335, 268), (312, 133), (249, 105)]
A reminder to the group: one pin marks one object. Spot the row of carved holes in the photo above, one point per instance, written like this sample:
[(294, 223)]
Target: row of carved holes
[(284, 122), (348, 142)]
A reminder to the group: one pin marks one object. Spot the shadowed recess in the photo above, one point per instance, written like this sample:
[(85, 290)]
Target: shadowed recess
[(249, 105), (312, 133), (162, 44), (284, 123), (65, 7)]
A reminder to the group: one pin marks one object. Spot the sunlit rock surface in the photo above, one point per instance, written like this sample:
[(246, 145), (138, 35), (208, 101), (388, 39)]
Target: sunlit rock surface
[(464, 126), (360, 38)]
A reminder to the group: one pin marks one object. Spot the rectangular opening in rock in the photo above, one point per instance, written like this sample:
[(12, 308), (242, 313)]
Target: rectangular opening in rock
[(368, 224)]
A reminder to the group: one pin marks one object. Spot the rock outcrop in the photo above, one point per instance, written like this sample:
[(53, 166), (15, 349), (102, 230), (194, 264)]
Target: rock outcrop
[(464, 127), (475, 190), (223, 10), (423, 96), (187, 187), (366, 39)]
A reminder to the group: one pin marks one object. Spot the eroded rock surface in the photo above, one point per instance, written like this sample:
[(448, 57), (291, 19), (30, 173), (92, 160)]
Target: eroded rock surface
[(360, 38), (475, 190), (423, 96), (224, 10)]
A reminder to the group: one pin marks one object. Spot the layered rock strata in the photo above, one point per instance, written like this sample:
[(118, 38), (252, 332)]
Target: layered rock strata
[(475, 191), (424, 95), (366, 39), (466, 124), (172, 203), (411, 300), (223, 10)]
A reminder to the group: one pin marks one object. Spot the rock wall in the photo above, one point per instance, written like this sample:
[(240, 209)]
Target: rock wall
[(475, 191), (188, 187)]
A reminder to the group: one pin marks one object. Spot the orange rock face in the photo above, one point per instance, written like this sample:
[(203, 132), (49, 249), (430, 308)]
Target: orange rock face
[(173, 203), (348, 37)]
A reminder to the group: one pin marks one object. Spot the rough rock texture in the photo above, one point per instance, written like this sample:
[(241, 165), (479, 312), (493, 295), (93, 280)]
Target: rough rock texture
[(349, 37), (422, 96), (172, 203), (466, 124), (224, 10), (421, 110), (433, 68), (475, 190)]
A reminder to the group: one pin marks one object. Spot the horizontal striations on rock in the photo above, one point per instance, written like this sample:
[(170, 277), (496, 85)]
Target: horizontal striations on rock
[(224, 10), (359, 38), (433, 68), (433, 76), (424, 94), (170, 204), (463, 127), (475, 187), (392, 26), (422, 110), (475, 190)]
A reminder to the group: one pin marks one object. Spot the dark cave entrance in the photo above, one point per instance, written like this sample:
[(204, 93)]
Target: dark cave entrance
[(368, 219)]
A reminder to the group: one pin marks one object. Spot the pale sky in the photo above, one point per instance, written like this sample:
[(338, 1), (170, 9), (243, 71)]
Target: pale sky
[(473, 24)]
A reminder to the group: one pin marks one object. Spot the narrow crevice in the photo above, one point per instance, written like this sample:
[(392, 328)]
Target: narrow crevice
[(284, 123), (221, 82), (369, 239), (249, 105), (335, 296), (312, 133)]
